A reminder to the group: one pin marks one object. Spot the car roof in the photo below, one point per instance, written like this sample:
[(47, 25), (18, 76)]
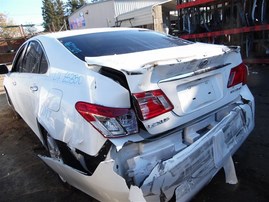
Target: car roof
[(69, 33)]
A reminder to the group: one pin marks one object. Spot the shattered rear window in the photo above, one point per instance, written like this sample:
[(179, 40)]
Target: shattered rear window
[(118, 42)]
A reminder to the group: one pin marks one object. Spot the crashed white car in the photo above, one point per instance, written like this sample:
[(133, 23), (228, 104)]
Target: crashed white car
[(131, 114)]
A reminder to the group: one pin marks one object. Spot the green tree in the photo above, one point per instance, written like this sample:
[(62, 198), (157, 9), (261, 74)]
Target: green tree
[(53, 15), (60, 16), (48, 14), (72, 5)]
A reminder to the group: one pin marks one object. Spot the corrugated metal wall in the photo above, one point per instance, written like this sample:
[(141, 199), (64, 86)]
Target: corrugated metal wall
[(137, 17), (104, 13), (95, 15), (124, 6)]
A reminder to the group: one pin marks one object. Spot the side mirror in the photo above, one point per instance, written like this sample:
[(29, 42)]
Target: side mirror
[(3, 69)]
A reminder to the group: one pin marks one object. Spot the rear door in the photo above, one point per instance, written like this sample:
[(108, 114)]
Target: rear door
[(11, 79), (32, 67)]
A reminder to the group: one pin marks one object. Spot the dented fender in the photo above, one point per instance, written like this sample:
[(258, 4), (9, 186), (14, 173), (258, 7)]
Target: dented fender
[(58, 116)]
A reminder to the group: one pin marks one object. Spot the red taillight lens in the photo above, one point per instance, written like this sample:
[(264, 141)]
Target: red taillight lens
[(111, 122), (238, 75), (151, 104)]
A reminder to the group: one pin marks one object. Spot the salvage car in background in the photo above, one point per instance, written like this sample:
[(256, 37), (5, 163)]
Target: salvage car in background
[(131, 114)]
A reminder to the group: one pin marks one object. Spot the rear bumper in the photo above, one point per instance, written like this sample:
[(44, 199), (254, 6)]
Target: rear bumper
[(184, 174), (189, 170)]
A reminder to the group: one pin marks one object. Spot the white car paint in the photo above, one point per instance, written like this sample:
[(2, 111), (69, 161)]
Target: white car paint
[(169, 155)]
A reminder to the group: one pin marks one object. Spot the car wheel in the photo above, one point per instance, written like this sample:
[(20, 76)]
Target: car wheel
[(54, 151)]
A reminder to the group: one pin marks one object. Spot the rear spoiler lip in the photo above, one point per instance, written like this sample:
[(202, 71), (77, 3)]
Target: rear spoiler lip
[(194, 73)]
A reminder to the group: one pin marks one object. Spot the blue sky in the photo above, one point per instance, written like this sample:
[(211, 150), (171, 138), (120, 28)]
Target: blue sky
[(23, 11)]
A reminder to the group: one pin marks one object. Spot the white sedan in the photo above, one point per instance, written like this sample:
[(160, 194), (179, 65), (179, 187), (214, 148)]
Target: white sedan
[(131, 114)]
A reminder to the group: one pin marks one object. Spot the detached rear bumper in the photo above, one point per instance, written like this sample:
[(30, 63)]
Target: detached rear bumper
[(188, 171)]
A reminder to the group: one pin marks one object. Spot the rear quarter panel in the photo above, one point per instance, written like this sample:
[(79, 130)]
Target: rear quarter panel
[(69, 81)]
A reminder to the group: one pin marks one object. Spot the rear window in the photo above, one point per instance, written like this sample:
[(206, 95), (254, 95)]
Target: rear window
[(118, 42)]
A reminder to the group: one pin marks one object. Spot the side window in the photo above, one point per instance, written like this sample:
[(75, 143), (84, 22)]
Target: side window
[(43, 65), (17, 66), (34, 60)]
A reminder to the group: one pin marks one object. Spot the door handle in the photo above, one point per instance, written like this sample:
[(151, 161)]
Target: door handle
[(14, 83), (33, 88)]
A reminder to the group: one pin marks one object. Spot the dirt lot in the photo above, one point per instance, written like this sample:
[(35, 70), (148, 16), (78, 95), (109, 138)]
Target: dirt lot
[(1, 84), (23, 176)]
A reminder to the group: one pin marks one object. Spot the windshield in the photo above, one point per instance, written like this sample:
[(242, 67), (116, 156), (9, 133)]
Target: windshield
[(118, 42)]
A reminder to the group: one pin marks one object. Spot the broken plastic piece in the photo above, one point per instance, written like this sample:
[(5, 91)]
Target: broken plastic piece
[(136, 194), (230, 173)]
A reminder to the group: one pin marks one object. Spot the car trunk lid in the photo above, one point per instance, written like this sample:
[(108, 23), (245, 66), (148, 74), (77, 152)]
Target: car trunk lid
[(194, 77)]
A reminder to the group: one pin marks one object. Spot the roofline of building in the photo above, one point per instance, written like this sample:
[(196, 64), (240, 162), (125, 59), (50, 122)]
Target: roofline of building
[(144, 8)]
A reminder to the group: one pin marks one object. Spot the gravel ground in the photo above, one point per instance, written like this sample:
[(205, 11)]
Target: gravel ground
[(24, 177), (1, 84)]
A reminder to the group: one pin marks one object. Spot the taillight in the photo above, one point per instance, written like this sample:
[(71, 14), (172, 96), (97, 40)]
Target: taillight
[(238, 75), (151, 104), (111, 122)]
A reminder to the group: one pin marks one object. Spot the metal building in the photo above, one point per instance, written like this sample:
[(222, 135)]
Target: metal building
[(152, 14)]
